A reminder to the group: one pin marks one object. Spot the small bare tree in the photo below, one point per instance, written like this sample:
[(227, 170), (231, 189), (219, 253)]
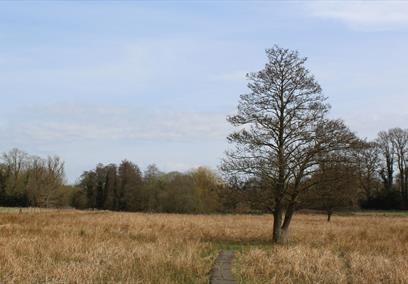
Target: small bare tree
[(335, 186), (282, 132), (387, 152), (45, 178), (368, 164), (399, 140), (15, 163)]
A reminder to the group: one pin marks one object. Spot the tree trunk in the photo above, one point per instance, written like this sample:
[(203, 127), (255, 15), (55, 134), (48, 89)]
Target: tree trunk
[(329, 214), (286, 222), (406, 188), (277, 221)]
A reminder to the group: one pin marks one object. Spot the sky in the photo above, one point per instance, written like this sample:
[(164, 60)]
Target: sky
[(152, 82)]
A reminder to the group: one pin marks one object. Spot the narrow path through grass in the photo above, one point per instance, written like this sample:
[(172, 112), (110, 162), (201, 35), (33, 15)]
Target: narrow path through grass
[(221, 273)]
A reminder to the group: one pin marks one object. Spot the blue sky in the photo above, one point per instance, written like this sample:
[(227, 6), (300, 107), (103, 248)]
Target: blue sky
[(153, 81)]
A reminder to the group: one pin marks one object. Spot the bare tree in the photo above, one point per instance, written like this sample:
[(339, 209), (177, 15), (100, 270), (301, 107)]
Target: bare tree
[(335, 186), (15, 163), (399, 140), (368, 163), (36, 181), (45, 178), (283, 130), (386, 149), (31, 180), (55, 177)]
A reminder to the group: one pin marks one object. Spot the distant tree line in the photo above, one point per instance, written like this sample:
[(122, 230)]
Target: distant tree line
[(31, 181), (383, 171), (125, 188), (370, 175), (27, 180)]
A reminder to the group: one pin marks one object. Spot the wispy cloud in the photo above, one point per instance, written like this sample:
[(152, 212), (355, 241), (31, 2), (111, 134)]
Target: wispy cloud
[(70, 123), (363, 15)]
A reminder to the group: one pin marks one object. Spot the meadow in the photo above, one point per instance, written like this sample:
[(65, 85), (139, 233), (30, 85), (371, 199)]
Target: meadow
[(70, 246)]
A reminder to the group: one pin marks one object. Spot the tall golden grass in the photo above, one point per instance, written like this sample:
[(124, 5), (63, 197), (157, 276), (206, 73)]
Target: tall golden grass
[(350, 249), (68, 246)]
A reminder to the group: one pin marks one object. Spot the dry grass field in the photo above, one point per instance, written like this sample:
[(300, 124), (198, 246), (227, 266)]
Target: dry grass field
[(67, 246), (353, 249)]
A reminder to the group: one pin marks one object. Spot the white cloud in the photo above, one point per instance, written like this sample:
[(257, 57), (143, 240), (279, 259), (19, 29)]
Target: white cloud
[(68, 123), (363, 15), (84, 135)]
